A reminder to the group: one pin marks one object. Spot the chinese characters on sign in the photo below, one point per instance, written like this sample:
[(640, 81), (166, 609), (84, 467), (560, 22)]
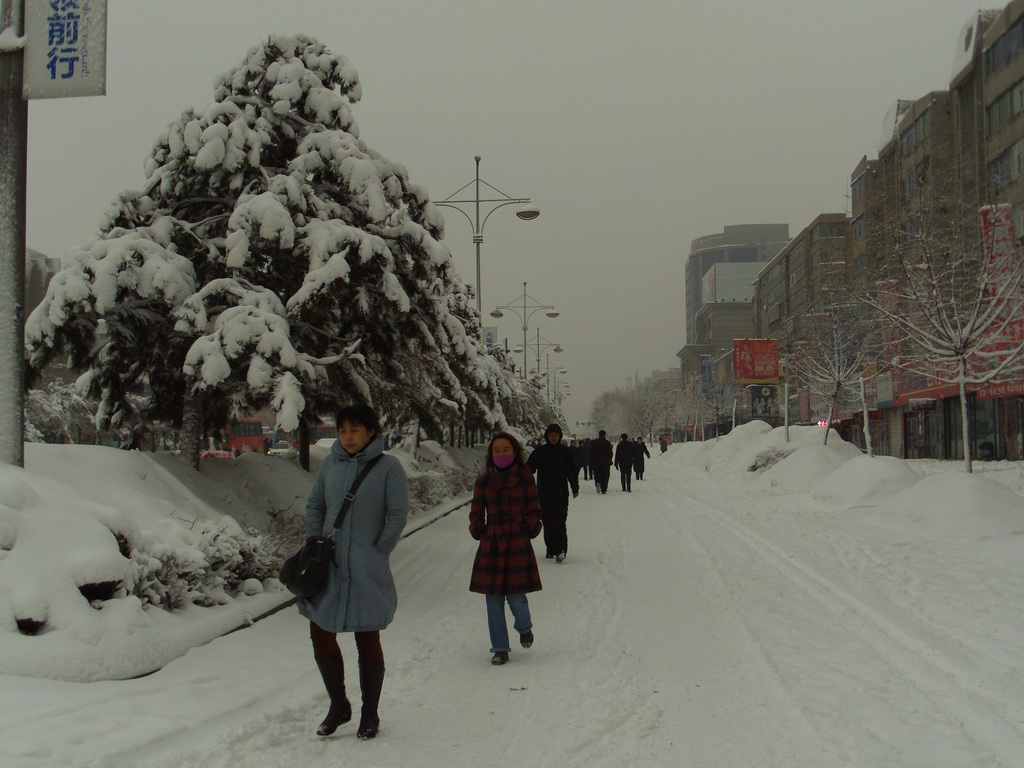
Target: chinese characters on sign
[(756, 361), (65, 48)]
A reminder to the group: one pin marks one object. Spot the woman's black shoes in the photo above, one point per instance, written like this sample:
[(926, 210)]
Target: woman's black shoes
[(501, 657)]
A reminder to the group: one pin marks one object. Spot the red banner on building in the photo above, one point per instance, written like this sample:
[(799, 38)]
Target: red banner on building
[(756, 361)]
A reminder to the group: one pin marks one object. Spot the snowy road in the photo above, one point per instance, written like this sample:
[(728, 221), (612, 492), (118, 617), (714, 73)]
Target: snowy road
[(696, 622)]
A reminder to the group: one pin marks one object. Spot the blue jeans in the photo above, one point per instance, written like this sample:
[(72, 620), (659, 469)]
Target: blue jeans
[(496, 619)]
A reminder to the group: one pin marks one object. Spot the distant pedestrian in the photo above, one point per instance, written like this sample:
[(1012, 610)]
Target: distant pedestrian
[(639, 451), (585, 457), (601, 454), (663, 442), (577, 458), (504, 516), (624, 454), (556, 475)]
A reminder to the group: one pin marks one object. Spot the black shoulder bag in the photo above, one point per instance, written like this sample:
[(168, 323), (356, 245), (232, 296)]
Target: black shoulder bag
[(305, 572)]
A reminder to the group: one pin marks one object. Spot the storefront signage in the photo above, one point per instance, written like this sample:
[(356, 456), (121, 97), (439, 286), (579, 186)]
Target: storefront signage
[(756, 361)]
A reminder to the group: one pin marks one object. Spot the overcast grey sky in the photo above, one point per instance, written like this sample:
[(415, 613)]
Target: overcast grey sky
[(634, 126)]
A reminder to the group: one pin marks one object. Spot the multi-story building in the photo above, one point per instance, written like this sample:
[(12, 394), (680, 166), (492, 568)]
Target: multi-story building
[(789, 285), (720, 273), (1003, 91), (711, 326), (950, 153), (792, 286), (742, 243)]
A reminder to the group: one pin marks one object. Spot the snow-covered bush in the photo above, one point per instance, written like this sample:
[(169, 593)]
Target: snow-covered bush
[(209, 561)]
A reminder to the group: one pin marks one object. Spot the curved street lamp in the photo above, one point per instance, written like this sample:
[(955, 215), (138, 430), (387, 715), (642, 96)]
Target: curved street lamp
[(547, 366), (524, 314), (527, 213)]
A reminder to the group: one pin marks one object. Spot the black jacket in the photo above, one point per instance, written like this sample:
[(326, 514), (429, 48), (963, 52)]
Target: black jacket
[(555, 470), (639, 451), (600, 452), (624, 455)]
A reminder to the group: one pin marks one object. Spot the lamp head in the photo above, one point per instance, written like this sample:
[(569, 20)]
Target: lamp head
[(528, 212), (552, 313), (558, 348), (497, 313)]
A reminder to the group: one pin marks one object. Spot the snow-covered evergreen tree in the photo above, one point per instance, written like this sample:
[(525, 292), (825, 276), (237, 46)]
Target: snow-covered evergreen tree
[(272, 258)]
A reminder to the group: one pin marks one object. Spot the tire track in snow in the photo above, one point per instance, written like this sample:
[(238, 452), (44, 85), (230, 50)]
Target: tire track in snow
[(991, 722)]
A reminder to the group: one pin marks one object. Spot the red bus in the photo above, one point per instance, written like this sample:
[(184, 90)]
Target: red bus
[(246, 435), (321, 431)]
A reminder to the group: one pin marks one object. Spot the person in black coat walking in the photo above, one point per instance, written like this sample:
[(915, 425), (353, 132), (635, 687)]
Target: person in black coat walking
[(601, 461), (624, 454), (585, 458), (577, 458), (556, 473), (639, 451)]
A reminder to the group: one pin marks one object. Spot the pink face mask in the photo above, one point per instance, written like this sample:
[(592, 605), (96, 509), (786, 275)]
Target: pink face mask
[(503, 460)]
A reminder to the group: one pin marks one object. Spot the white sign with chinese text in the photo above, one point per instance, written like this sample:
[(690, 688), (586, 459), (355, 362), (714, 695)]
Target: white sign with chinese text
[(65, 48)]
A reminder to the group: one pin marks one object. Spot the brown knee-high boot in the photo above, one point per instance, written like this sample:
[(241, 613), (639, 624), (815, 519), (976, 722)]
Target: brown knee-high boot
[(332, 670), (371, 678)]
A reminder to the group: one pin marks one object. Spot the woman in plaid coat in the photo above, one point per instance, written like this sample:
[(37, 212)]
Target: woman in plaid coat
[(504, 516)]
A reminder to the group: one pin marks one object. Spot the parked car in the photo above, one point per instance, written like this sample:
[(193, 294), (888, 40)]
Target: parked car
[(282, 448)]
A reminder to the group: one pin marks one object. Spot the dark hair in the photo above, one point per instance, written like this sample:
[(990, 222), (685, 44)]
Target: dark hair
[(516, 447), (360, 414)]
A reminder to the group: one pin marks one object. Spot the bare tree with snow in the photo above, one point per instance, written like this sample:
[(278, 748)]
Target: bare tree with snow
[(837, 344), (953, 292)]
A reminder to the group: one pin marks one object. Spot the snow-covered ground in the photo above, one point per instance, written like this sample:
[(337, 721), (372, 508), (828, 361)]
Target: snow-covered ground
[(828, 610)]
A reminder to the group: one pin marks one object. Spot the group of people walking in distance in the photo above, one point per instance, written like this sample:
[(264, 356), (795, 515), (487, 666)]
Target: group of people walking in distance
[(598, 457), (509, 509)]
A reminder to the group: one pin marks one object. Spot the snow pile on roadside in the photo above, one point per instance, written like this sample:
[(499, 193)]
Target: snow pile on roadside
[(93, 539)]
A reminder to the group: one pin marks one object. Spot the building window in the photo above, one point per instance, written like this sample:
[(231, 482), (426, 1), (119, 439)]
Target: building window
[(1005, 108), (910, 185), (1018, 222), (914, 135), (858, 227), (999, 172), (857, 190), (1005, 48)]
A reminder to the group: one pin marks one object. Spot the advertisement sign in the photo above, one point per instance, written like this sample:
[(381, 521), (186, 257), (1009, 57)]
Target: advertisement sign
[(706, 379), (756, 361), (707, 287), (883, 384), (997, 234), (490, 333), (65, 48), (764, 401)]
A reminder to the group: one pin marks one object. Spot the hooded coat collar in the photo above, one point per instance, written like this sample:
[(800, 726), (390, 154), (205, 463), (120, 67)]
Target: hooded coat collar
[(374, 449)]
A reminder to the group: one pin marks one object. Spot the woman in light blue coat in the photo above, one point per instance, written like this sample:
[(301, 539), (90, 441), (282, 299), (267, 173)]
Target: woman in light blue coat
[(360, 595)]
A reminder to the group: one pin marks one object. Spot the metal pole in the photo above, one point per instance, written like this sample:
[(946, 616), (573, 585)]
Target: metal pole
[(547, 373), (525, 326), (786, 410), (478, 235), (13, 180)]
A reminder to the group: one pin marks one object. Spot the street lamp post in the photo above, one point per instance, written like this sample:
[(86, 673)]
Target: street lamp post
[(547, 345), (551, 376), (524, 313), (526, 213)]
